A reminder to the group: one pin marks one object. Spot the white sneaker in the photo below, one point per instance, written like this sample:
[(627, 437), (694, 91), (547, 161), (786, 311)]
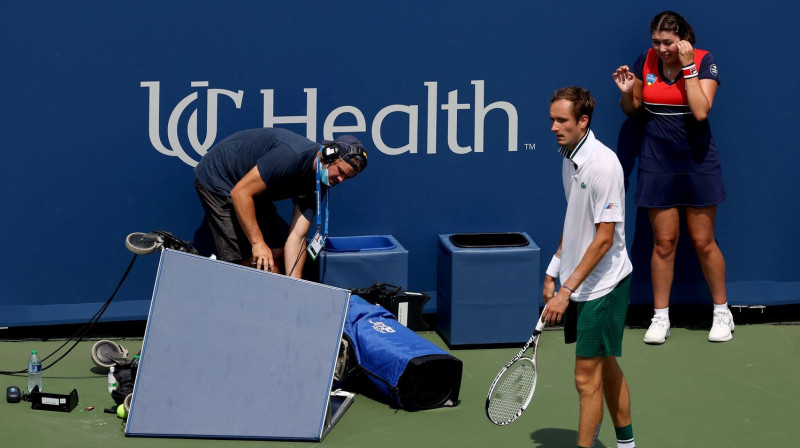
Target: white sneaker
[(722, 329), (658, 331)]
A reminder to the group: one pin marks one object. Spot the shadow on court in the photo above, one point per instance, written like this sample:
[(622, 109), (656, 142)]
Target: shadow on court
[(557, 438)]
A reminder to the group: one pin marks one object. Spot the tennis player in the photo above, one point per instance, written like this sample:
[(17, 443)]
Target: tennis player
[(592, 266)]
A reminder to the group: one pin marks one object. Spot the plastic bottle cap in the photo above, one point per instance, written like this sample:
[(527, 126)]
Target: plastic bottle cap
[(34, 352)]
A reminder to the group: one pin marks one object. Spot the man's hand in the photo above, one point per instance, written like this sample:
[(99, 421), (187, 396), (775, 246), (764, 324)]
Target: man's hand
[(262, 257), (556, 307)]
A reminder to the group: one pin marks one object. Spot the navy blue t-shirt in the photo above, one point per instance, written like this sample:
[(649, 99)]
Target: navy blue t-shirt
[(285, 161)]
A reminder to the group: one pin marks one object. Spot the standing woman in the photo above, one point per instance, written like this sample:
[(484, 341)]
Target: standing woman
[(679, 167)]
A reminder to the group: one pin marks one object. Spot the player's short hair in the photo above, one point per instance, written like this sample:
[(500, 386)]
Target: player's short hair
[(582, 101), (671, 21)]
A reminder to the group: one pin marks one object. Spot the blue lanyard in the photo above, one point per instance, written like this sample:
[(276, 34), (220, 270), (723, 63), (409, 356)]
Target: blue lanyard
[(327, 199)]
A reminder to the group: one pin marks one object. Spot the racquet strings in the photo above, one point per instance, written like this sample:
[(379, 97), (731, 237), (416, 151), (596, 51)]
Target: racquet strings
[(512, 391)]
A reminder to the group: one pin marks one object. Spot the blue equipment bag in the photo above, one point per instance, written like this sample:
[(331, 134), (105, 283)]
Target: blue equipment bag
[(403, 368)]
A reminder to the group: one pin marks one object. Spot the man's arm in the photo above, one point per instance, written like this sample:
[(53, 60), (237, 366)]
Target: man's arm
[(549, 289), (293, 250), (242, 196), (601, 243)]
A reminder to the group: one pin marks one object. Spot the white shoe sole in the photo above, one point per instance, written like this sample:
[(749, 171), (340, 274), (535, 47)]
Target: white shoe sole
[(730, 336), (656, 341)]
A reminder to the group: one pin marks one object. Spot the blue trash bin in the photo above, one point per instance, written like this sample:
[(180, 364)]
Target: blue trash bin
[(360, 261), (487, 288)]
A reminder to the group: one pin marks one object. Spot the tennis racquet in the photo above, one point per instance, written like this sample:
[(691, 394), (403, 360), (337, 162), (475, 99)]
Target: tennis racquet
[(513, 387)]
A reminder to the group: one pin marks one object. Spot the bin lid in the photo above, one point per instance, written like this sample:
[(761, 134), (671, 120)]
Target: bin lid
[(484, 240)]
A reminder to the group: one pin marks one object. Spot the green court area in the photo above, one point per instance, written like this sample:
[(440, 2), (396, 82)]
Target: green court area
[(686, 393)]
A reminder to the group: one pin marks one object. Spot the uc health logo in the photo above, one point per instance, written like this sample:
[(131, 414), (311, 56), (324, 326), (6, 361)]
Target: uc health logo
[(410, 115)]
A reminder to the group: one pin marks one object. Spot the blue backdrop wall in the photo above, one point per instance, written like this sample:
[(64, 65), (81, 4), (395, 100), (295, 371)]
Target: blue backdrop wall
[(108, 106)]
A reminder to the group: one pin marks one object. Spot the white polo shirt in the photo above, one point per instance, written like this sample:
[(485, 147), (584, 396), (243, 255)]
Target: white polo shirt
[(595, 193)]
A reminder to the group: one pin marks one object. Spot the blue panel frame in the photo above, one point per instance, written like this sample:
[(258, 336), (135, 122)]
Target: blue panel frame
[(233, 352)]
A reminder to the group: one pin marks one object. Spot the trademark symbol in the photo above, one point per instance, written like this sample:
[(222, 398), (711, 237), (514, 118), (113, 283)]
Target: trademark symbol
[(530, 146)]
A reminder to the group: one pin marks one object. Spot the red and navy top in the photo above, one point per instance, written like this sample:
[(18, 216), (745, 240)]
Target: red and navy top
[(663, 97)]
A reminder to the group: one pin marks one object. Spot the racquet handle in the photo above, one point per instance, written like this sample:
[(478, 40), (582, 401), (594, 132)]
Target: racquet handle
[(539, 321)]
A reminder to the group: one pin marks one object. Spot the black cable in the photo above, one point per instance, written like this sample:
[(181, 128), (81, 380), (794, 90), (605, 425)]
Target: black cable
[(83, 330)]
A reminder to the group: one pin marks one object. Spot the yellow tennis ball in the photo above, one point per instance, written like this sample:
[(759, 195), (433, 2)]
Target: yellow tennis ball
[(121, 411)]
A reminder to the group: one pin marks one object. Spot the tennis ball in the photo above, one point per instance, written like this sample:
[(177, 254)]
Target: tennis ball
[(121, 411)]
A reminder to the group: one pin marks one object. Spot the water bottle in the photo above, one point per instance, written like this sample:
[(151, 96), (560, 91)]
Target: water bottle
[(112, 380), (34, 372)]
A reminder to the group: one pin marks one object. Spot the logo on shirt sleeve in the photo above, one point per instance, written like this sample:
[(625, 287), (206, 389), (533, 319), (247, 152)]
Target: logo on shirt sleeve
[(612, 206)]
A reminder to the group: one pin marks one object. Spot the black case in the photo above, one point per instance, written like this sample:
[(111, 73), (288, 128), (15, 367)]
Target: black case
[(392, 298), (54, 402)]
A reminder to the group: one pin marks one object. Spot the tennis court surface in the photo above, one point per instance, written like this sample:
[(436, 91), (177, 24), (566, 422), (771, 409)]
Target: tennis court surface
[(686, 393)]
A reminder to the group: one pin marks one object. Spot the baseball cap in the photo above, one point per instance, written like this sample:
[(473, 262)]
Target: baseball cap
[(351, 150)]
